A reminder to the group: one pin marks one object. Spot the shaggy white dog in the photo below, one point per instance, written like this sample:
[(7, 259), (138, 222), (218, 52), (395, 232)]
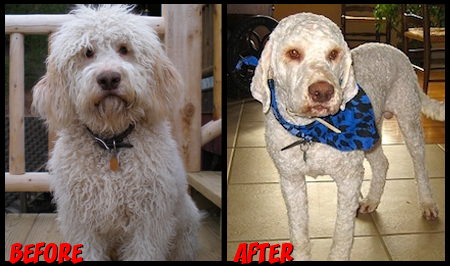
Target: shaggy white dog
[(118, 179)]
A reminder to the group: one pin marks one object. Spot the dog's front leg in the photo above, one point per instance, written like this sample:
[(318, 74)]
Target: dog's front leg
[(348, 196), (293, 188)]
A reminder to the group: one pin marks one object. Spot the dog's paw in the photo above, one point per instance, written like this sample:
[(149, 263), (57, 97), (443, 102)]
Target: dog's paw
[(429, 210), (367, 206)]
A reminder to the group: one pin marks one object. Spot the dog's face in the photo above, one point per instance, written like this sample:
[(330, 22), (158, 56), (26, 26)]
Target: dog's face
[(107, 69), (311, 65), (307, 74)]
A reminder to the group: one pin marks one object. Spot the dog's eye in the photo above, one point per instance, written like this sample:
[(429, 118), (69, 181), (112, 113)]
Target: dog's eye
[(89, 53), (123, 50), (294, 54), (333, 55)]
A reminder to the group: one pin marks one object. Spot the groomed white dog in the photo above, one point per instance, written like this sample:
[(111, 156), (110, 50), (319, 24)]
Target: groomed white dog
[(117, 177), (307, 75)]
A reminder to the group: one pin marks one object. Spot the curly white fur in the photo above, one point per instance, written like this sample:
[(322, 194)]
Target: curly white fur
[(142, 211), (307, 54)]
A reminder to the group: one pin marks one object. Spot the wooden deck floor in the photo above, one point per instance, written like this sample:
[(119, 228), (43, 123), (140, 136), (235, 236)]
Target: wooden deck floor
[(36, 228)]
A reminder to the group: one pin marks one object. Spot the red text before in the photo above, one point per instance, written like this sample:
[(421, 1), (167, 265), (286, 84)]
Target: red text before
[(32, 252)]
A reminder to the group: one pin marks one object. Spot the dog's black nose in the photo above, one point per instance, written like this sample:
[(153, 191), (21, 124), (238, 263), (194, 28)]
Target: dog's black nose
[(108, 80)]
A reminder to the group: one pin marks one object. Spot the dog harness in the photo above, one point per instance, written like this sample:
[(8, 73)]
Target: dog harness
[(356, 123)]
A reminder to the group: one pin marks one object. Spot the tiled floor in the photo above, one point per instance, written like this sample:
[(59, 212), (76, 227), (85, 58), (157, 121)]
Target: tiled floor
[(256, 211)]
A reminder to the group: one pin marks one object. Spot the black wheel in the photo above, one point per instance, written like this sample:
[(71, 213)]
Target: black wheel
[(244, 49)]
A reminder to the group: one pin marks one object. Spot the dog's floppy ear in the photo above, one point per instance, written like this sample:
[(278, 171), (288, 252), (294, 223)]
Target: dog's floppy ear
[(347, 79), (169, 85), (51, 99), (259, 87)]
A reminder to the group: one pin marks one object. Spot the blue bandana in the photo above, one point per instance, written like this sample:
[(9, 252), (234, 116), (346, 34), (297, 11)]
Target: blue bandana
[(356, 123)]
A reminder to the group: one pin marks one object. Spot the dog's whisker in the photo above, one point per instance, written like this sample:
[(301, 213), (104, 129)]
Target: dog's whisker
[(131, 104)]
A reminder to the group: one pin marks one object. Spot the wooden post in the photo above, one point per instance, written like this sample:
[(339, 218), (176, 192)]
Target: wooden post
[(16, 104), (183, 41), (217, 17)]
